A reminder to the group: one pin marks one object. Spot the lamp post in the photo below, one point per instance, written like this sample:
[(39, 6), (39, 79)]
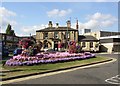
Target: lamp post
[(30, 36)]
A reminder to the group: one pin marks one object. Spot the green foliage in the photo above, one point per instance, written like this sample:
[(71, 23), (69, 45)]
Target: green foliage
[(12, 32), (9, 30), (78, 49), (31, 51)]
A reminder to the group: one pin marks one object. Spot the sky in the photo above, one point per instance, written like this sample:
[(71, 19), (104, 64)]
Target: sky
[(27, 17)]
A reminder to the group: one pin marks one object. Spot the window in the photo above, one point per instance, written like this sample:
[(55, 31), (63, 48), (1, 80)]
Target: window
[(45, 35), (46, 45), (9, 38), (68, 34), (97, 45), (15, 39), (55, 35), (95, 35), (74, 35), (83, 44), (91, 44)]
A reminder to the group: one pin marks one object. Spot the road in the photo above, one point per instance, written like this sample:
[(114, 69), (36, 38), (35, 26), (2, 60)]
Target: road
[(93, 75)]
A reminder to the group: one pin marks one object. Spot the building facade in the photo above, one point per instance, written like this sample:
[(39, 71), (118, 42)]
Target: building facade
[(109, 41), (11, 42), (89, 43), (110, 44), (83, 31), (51, 36)]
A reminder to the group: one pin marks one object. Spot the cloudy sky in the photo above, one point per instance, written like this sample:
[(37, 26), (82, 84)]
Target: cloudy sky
[(27, 17)]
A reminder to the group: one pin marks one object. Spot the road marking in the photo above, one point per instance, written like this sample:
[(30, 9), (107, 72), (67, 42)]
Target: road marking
[(52, 73), (113, 80), (118, 76)]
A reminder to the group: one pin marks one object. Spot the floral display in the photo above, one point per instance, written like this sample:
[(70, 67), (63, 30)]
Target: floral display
[(78, 49), (43, 58), (25, 43), (72, 46)]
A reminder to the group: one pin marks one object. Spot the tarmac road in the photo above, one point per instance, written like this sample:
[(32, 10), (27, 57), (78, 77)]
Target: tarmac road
[(93, 75)]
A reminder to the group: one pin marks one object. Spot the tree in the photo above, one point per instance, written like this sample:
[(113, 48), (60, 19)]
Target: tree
[(12, 33), (9, 30)]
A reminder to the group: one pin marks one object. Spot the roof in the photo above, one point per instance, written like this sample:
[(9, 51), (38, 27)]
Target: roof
[(48, 29), (87, 38), (110, 31)]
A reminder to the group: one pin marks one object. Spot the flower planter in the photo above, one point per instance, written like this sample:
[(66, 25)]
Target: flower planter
[(47, 58)]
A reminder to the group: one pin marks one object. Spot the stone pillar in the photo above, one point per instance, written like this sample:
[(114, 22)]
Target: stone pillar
[(52, 44)]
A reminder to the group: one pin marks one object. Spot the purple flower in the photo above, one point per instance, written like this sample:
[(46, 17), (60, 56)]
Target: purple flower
[(47, 58)]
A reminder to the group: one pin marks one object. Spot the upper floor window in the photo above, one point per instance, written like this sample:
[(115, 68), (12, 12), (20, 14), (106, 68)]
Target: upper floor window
[(45, 35), (95, 35), (56, 35), (67, 35), (9, 38), (63, 35), (74, 35)]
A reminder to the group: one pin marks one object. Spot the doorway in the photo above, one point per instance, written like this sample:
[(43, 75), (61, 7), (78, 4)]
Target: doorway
[(55, 45)]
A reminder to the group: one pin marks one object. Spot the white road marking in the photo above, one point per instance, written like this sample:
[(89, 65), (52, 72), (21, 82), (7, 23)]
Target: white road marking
[(118, 76), (52, 73), (113, 80)]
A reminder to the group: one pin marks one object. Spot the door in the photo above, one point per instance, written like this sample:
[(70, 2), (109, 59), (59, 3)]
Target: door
[(55, 46)]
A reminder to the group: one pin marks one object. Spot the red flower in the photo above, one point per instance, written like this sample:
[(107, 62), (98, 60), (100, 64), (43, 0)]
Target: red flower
[(25, 42)]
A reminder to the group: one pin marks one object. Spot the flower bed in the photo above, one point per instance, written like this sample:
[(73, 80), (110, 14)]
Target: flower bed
[(43, 58)]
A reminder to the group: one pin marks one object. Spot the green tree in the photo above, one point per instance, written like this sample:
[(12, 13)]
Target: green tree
[(12, 32), (9, 30)]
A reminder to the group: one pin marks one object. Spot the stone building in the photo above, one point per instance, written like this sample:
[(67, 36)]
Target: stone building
[(52, 36), (9, 42), (88, 43)]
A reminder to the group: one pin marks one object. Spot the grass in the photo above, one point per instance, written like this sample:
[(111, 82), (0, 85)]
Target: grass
[(23, 70), (5, 58)]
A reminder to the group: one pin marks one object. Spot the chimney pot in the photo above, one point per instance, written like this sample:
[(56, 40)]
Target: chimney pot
[(50, 24), (68, 24), (57, 25)]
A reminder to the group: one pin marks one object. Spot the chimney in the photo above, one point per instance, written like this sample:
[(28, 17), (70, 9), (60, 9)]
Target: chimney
[(50, 24), (57, 25), (68, 24), (77, 26)]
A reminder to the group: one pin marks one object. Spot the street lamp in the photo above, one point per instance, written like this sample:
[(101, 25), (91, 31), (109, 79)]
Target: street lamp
[(30, 36)]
